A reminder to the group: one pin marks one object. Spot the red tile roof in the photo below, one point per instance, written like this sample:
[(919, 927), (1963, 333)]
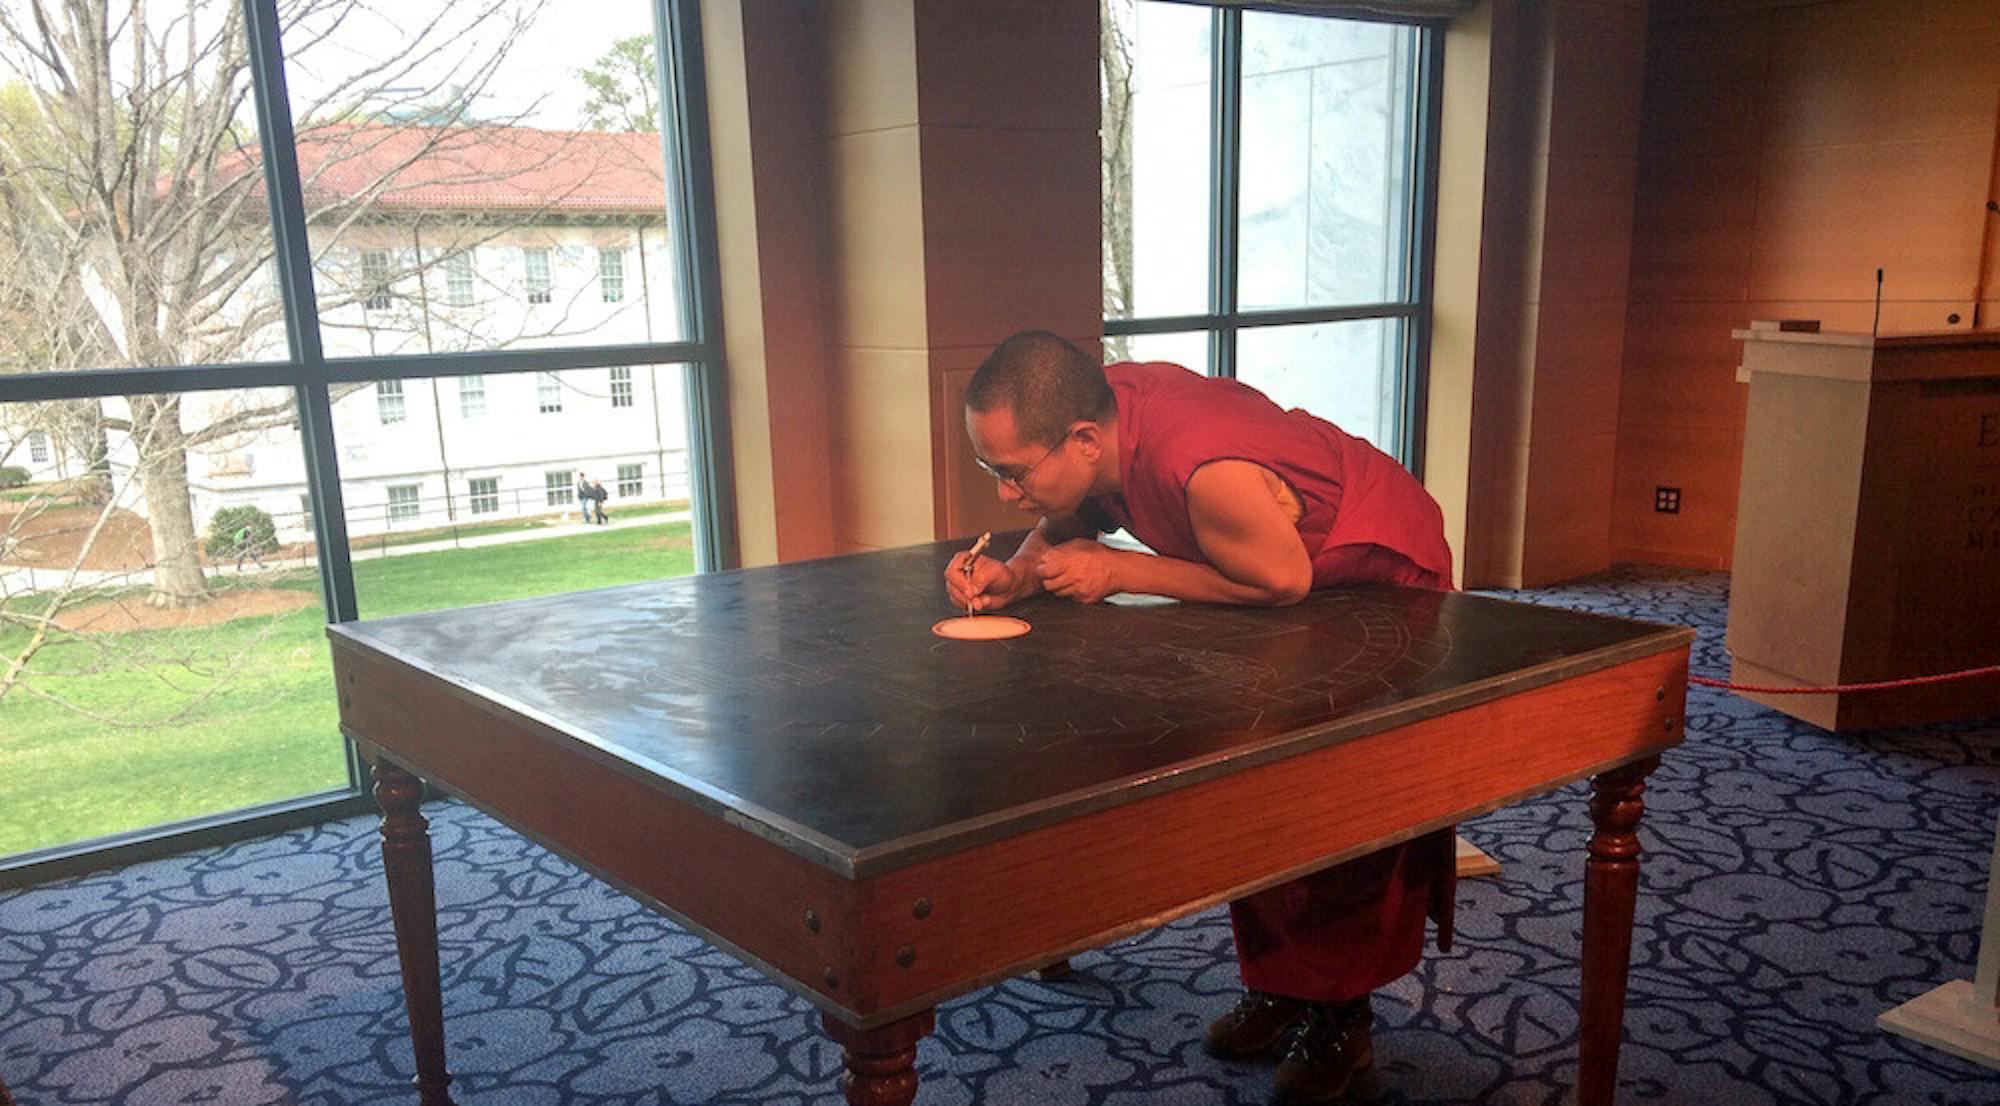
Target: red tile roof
[(480, 168)]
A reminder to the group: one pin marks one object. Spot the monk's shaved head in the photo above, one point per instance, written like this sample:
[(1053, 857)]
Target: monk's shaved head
[(1045, 381)]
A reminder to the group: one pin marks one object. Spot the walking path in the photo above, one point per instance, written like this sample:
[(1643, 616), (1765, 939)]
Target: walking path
[(18, 580)]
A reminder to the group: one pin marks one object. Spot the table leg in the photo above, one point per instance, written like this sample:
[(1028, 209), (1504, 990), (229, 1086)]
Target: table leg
[(406, 863), (1610, 897), (1055, 971), (881, 1062)]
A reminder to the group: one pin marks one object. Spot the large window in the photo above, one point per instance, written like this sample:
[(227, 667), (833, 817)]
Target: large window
[(1291, 254), (332, 259)]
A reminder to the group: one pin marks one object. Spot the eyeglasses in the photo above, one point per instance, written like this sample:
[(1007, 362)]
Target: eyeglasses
[(1014, 474)]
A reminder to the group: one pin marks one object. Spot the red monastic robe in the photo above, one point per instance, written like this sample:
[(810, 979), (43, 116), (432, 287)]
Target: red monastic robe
[(1350, 929)]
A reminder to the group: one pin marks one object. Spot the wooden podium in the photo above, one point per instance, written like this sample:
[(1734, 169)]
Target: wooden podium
[(1868, 523)]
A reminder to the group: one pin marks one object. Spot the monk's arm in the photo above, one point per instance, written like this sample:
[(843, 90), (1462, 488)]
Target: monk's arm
[(1251, 543)]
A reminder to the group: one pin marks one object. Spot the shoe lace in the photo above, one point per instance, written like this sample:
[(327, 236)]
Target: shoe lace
[(1324, 1032)]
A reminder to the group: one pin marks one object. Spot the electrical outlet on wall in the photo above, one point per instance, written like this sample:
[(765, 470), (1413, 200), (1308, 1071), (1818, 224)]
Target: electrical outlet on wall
[(1667, 501)]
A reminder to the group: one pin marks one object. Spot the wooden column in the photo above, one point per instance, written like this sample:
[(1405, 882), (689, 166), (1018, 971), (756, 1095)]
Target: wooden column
[(406, 864)]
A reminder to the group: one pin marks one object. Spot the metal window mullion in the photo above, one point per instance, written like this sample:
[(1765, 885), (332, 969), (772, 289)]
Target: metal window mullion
[(97, 383), (293, 254), (1225, 195), (685, 147), (1416, 367), (500, 362), (293, 257)]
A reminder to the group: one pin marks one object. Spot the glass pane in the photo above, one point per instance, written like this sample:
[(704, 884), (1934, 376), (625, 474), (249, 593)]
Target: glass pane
[(1156, 136), (91, 278), (1327, 161), (1345, 372), (1188, 349), (472, 503), (483, 176), (184, 670)]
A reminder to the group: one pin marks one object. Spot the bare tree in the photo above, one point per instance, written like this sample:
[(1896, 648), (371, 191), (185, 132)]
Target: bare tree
[(1115, 136), (131, 190)]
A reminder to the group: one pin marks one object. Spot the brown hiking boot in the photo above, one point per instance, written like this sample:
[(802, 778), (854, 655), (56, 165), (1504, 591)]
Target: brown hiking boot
[(1330, 1056), (1257, 1027)]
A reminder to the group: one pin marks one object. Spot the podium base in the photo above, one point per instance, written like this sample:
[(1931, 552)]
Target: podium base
[(1953, 1017)]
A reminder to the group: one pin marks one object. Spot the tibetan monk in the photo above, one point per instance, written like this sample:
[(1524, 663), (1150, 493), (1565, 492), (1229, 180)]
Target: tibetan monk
[(1244, 502)]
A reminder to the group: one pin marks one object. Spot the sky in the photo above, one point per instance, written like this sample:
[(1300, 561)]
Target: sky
[(537, 76)]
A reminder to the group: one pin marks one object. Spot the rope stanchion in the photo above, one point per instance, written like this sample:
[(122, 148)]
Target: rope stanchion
[(1842, 689)]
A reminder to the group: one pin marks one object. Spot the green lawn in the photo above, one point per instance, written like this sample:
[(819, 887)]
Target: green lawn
[(183, 723)]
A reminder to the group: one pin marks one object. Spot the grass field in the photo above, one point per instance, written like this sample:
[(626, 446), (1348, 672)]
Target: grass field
[(167, 725)]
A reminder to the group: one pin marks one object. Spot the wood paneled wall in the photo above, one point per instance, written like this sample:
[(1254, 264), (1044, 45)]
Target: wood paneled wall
[(964, 177), (1788, 150), (1546, 329), (900, 185)]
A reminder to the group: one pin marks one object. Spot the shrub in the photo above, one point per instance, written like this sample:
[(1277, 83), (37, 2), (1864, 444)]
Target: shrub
[(221, 540), (12, 476)]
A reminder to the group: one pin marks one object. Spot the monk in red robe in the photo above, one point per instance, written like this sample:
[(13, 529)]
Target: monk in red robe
[(1243, 502)]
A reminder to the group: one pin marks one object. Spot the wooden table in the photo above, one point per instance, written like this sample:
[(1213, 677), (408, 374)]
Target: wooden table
[(788, 762)]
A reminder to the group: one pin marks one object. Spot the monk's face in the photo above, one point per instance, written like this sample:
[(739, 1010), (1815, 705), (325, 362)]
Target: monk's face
[(1040, 478)]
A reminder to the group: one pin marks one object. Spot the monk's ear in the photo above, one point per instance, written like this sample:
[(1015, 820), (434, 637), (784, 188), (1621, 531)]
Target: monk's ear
[(1088, 434)]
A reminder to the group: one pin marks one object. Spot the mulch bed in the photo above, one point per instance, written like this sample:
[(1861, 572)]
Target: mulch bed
[(125, 615)]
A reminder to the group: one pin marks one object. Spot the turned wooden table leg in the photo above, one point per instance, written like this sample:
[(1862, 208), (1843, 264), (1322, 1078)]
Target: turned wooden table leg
[(881, 1062), (1610, 898), (406, 862)]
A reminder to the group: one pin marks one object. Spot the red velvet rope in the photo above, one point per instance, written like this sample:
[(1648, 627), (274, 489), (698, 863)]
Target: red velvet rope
[(1878, 685)]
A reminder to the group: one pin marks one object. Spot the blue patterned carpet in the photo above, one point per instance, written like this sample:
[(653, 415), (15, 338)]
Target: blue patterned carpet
[(1796, 884)]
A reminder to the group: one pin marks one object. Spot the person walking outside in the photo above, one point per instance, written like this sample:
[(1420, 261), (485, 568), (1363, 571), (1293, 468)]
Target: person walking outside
[(597, 497), (246, 546)]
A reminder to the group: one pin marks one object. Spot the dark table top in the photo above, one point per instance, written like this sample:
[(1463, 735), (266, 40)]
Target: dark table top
[(811, 702)]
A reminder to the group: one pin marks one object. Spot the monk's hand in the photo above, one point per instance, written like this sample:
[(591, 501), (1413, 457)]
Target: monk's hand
[(1082, 570), (989, 586)]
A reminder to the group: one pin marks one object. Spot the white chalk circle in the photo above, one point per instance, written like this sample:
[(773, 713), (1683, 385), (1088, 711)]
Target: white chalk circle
[(985, 627)]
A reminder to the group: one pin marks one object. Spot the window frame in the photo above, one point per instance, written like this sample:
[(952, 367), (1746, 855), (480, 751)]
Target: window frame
[(621, 386), (472, 396), (304, 367), (390, 404), (482, 500), (460, 279), (548, 394), (611, 278), (38, 447), (558, 486), (539, 279), (404, 508), (379, 293), (1225, 320), (632, 480)]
